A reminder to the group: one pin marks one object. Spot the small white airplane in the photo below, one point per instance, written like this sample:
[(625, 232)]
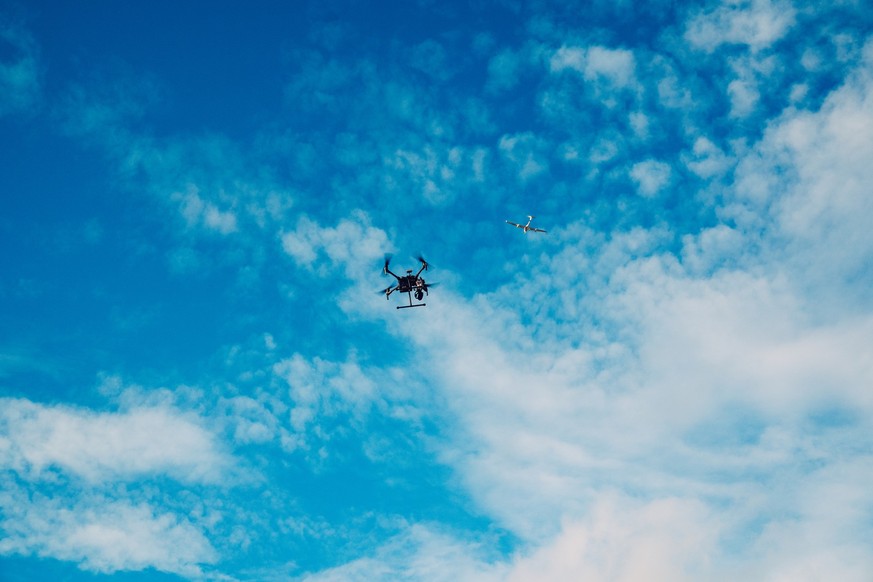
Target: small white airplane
[(526, 227)]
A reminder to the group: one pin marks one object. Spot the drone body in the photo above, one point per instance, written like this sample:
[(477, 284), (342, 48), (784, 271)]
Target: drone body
[(408, 283)]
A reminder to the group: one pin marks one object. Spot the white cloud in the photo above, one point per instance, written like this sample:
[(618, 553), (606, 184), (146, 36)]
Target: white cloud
[(322, 391), (526, 154), (437, 172), (744, 96), (98, 447), (707, 160), (713, 248), (252, 421), (651, 177), (835, 508), (572, 58), (626, 540), (102, 535), (640, 124), (755, 23), (673, 92), (353, 243), (809, 177), (617, 65), (744, 339), (608, 67), (744, 90), (418, 552), (604, 150), (198, 212)]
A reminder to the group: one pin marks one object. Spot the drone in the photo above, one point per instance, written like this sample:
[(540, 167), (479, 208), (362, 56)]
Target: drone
[(526, 227), (408, 283)]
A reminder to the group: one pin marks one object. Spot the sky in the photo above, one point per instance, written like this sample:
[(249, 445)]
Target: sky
[(199, 379)]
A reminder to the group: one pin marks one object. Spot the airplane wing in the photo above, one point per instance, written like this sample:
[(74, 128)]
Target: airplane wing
[(537, 229), (514, 224)]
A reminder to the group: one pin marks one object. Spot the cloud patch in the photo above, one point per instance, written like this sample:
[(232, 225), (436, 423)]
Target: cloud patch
[(37, 439), (757, 24), (615, 67), (20, 69), (651, 176), (103, 535), (353, 242)]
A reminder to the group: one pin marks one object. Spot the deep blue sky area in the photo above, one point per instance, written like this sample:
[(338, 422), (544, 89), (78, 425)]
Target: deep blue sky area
[(203, 378)]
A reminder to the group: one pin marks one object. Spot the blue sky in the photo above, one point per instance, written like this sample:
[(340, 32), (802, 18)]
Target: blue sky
[(199, 380)]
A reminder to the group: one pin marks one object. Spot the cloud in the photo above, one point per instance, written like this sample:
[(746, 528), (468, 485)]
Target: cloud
[(744, 340), (211, 183), (707, 160), (616, 65), (353, 243), (651, 177), (197, 212), (436, 173), (419, 552), (504, 71), (100, 447), (626, 540), (744, 97), (605, 66), (252, 420), (807, 177), (321, 391), (525, 154), (825, 537), (20, 70), (103, 535), (757, 24)]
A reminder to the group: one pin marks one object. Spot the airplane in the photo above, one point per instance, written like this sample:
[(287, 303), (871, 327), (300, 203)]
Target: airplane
[(526, 227)]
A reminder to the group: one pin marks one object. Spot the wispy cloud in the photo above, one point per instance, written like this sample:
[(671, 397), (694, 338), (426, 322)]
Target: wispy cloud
[(420, 552), (20, 69), (651, 177), (103, 535), (101, 447), (353, 244), (755, 23), (614, 67), (322, 391)]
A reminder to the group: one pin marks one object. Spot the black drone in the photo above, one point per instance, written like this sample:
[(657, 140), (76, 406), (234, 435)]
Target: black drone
[(408, 283)]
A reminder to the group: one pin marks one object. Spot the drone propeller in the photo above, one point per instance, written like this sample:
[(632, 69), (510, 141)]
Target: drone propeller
[(384, 291), (388, 257), (422, 261)]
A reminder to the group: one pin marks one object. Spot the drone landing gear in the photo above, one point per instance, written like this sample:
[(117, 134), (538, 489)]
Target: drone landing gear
[(411, 304)]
